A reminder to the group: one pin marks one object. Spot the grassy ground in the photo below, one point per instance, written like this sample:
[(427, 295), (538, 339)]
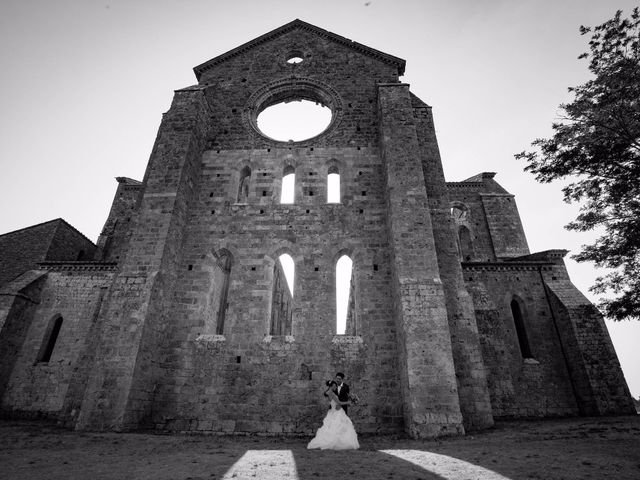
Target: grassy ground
[(571, 449)]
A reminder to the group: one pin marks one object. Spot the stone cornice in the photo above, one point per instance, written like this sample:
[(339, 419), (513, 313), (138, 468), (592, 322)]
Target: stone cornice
[(79, 266), (505, 266), (300, 25), (465, 184)]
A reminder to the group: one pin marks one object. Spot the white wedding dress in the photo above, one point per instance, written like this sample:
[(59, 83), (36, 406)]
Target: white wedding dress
[(336, 432)]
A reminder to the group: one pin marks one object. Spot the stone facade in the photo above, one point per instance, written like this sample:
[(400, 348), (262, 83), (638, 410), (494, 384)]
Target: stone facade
[(183, 321)]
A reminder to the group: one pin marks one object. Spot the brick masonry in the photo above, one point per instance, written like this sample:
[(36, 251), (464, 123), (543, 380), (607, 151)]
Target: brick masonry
[(430, 346)]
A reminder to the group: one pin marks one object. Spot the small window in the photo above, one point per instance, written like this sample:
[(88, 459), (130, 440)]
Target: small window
[(288, 185), (333, 185)]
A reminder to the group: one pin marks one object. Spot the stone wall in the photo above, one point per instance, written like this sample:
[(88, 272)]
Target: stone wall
[(598, 382), (491, 216), (251, 368), (430, 395), (18, 302), (470, 371), (134, 323), (74, 294), (115, 235), (520, 387)]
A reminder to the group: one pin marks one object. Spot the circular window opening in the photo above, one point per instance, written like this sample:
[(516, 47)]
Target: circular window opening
[(295, 120), (295, 59)]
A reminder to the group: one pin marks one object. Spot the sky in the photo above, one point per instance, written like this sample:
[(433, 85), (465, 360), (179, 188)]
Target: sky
[(84, 85)]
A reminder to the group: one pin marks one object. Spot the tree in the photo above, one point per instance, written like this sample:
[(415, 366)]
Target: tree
[(596, 144)]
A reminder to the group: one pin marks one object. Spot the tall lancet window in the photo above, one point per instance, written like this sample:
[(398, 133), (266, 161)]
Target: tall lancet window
[(50, 339), (221, 274), (345, 297), (518, 319), (282, 295), (287, 195), (465, 243), (333, 185), (243, 185)]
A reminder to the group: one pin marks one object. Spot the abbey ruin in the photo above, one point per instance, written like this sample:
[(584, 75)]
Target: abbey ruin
[(179, 319)]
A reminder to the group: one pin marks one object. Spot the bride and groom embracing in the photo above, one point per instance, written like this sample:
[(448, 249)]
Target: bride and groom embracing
[(336, 432)]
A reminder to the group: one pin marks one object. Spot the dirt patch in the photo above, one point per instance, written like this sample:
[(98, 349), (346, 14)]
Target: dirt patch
[(568, 449)]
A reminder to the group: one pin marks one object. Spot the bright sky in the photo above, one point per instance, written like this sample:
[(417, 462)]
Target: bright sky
[(84, 85)]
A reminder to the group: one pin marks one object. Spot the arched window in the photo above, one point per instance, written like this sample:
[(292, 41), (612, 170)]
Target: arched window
[(243, 185), (465, 243), (282, 295), (288, 185), (50, 338), (345, 298), (521, 331), (333, 185), (221, 274)]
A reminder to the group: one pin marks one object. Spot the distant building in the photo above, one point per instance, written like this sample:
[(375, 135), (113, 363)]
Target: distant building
[(55, 240), (183, 321)]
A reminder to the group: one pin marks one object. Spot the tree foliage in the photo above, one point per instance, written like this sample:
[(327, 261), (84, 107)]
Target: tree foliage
[(596, 144)]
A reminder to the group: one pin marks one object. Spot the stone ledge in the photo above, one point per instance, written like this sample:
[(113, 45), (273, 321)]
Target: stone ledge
[(347, 339), (79, 266), (208, 338), (280, 338)]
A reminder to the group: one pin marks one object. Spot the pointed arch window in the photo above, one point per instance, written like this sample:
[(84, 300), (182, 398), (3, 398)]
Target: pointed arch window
[(287, 195), (221, 274), (333, 185), (243, 185), (518, 319), (282, 295), (345, 297), (50, 339)]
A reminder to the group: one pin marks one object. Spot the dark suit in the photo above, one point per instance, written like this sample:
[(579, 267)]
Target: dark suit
[(343, 396)]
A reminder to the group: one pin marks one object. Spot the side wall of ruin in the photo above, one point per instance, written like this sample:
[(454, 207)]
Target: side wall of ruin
[(73, 297)]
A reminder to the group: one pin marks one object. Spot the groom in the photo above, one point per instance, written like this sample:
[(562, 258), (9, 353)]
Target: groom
[(343, 391)]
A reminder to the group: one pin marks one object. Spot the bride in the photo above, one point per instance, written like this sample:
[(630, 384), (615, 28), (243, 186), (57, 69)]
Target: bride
[(336, 432)]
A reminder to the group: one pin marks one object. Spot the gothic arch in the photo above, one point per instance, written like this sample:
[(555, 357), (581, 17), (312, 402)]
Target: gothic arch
[(219, 264), (352, 326), (281, 298)]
